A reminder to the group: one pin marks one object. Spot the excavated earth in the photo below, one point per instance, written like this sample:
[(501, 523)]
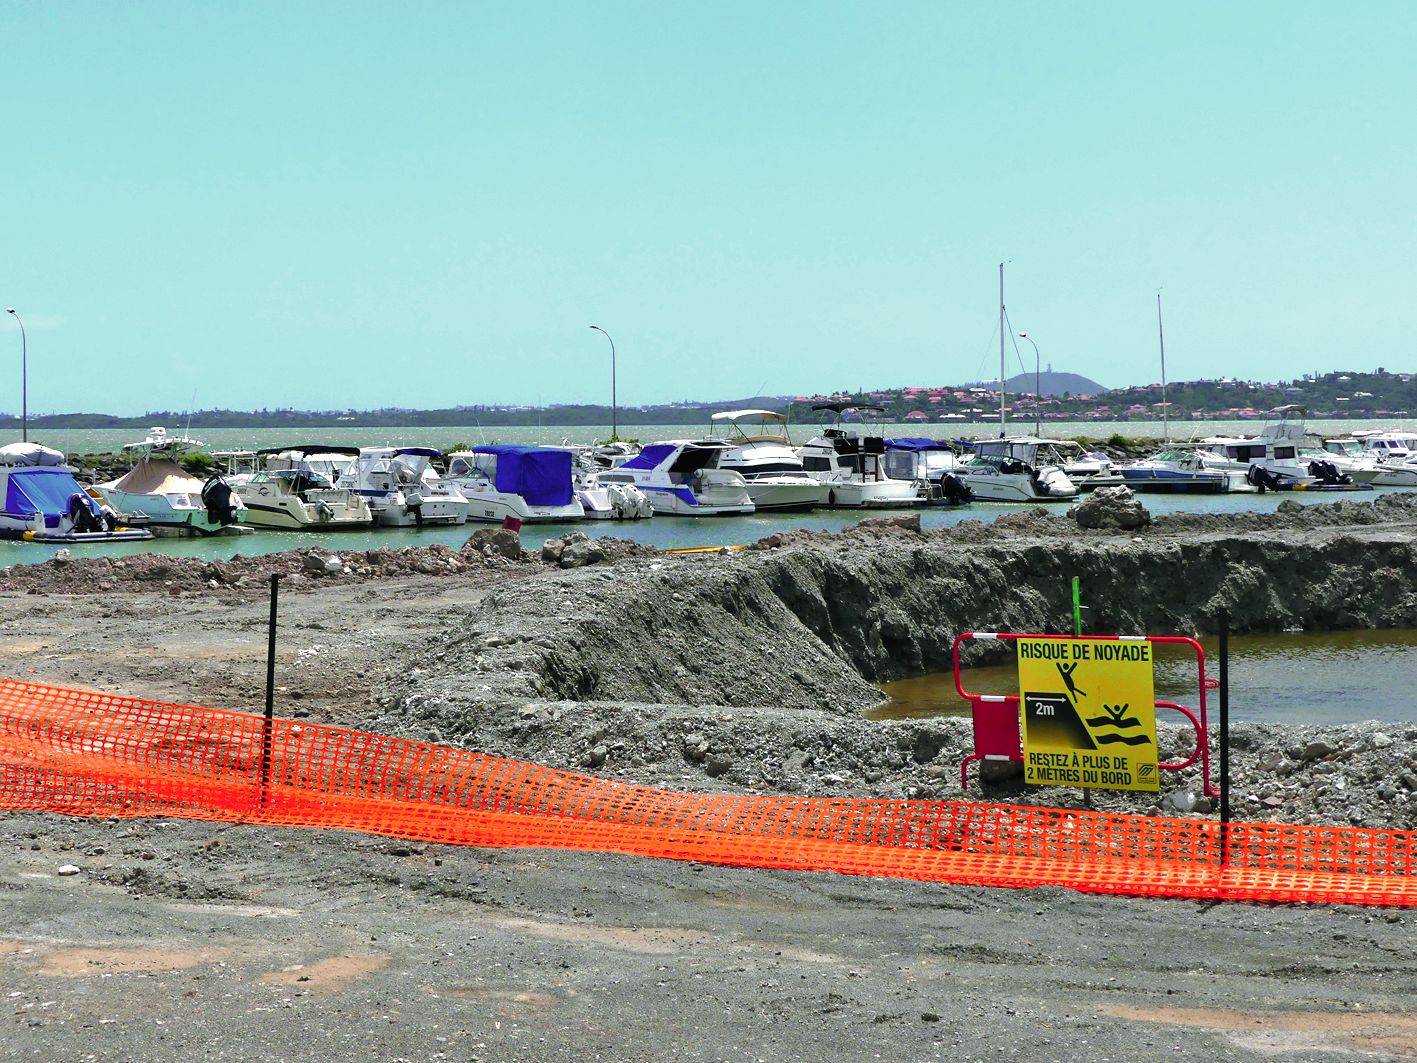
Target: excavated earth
[(742, 672)]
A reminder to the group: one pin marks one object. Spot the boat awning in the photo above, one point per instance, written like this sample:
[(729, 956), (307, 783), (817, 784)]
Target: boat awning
[(917, 444), (541, 475), (733, 415), (651, 457)]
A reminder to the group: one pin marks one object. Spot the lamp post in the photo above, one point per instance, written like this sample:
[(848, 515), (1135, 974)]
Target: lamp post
[(24, 375), (1037, 386), (614, 426)]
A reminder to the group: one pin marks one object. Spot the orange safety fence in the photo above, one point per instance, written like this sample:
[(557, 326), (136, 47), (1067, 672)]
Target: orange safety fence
[(93, 754)]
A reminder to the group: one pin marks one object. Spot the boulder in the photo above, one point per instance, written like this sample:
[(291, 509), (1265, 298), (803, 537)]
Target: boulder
[(1111, 507), (908, 522), (496, 541)]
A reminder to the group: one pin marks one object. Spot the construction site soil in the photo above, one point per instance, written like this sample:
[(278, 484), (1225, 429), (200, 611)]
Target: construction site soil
[(743, 672)]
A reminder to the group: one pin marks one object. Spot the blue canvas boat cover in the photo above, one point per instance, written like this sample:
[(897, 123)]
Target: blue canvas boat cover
[(541, 475), (651, 457), (914, 444), (46, 491)]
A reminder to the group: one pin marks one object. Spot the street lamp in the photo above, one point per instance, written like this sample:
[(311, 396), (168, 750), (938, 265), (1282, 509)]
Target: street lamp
[(614, 427), (24, 373), (1037, 386)]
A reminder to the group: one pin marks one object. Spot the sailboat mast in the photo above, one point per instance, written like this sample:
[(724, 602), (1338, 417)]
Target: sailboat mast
[(1001, 351), (1165, 407)]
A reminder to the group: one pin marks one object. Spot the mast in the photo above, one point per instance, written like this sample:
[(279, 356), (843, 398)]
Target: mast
[(1165, 408), (1001, 351)]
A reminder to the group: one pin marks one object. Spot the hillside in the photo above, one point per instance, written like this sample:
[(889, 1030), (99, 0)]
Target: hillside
[(1054, 385)]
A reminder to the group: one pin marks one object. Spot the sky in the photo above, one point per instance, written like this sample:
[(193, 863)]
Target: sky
[(330, 205)]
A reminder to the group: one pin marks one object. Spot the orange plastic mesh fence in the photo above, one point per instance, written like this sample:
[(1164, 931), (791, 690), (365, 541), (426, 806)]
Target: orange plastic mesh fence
[(93, 754)]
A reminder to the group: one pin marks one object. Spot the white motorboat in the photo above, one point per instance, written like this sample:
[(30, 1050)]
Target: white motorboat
[(1279, 459), (768, 463), (402, 488), (529, 484), (933, 465), (602, 501), (42, 502), (853, 467), (1019, 469), (682, 478), (167, 498), (1391, 456), (287, 494), (1184, 468)]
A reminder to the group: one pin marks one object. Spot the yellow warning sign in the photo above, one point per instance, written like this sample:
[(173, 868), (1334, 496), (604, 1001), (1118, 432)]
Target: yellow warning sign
[(1089, 713)]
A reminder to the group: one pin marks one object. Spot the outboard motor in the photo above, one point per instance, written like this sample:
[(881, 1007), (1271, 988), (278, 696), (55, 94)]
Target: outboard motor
[(1262, 479), (217, 497), (954, 490), (1327, 472), (83, 513)]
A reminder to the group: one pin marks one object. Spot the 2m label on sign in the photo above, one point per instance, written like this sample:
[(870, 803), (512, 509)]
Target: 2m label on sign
[(1089, 714)]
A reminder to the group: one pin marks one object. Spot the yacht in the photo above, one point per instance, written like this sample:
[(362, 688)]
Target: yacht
[(1280, 459), (682, 478), (933, 465), (1389, 458), (42, 502), (288, 494), (402, 487), (1184, 468), (528, 484), (766, 459), (167, 498), (852, 467), (1020, 469)]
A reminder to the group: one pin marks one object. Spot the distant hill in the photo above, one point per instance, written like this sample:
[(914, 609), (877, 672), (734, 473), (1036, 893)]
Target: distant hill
[(1055, 384)]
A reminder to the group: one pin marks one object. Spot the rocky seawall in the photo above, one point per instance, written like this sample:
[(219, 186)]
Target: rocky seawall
[(750, 670)]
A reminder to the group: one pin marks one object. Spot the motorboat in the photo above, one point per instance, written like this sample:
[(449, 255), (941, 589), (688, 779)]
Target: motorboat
[(1020, 469), (527, 483), (1390, 458), (933, 464), (682, 478), (767, 461), (853, 467), (42, 502), (1187, 468), (603, 501), (1279, 458), (167, 498), (288, 494), (402, 487)]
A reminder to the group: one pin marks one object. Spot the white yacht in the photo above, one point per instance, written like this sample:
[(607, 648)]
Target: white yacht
[(168, 499), (766, 459), (1280, 459), (402, 488), (853, 467), (682, 478), (528, 484), (933, 465), (42, 502), (1018, 469), (285, 493), (1388, 458), (1184, 468)]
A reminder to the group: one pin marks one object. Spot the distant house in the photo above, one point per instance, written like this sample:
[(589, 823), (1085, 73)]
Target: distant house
[(917, 415)]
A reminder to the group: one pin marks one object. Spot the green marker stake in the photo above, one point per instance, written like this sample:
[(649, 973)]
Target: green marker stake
[(1077, 608)]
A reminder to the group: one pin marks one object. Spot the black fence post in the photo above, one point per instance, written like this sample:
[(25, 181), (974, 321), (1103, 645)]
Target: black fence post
[(269, 722)]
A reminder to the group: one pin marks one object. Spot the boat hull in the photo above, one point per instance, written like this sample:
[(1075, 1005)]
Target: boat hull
[(783, 496)]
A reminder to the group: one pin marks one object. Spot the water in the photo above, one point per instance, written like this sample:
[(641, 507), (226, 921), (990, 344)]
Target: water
[(1311, 678), (108, 440)]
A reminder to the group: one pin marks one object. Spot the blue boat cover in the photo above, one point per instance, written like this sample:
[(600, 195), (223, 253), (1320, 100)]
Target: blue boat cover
[(46, 491), (651, 457), (541, 475), (906, 443)]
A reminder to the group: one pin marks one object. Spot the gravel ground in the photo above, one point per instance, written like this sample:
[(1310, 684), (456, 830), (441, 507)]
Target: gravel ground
[(727, 673)]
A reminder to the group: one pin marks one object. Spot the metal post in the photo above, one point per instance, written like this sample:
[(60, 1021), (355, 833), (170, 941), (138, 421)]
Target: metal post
[(1224, 739), (1037, 386), (24, 378), (269, 723)]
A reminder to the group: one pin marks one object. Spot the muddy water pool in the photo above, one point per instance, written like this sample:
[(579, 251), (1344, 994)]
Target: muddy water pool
[(1293, 677)]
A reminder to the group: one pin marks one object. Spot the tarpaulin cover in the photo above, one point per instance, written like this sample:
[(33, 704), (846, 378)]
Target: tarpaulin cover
[(651, 457), (97, 754), (907, 443), (541, 475), (46, 491)]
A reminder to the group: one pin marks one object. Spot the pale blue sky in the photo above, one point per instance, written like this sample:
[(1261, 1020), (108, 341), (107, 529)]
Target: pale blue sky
[(354, 204)]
